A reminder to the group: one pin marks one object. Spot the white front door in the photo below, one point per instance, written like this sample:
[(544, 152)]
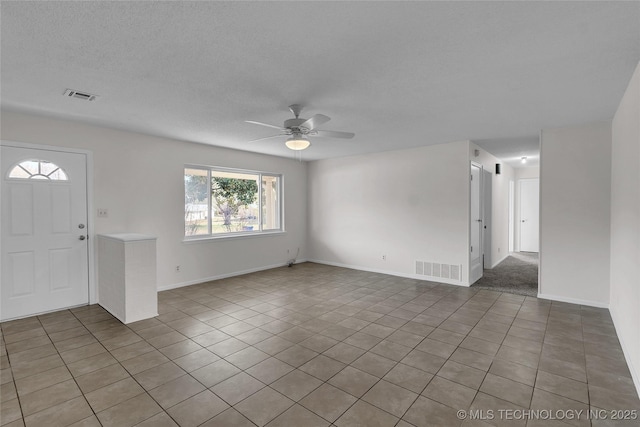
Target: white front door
[(44, 245), (529, 215), (475, 258)]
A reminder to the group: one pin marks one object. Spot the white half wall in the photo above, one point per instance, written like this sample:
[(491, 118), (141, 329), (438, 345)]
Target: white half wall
[(575, 186), (499, 203), (625, 225), (140, 180), (405, 206)]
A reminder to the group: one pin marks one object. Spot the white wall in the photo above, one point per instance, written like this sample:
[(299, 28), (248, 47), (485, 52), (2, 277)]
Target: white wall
[(408, 205), (139, 178), (528, 172), (625, 225), (575, 186), (500, 202)]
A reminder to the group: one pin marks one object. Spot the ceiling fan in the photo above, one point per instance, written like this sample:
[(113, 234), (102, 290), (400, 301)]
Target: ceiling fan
[(299, 129)]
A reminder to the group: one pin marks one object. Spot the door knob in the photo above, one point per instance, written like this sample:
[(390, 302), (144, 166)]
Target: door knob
[(80, 226), (82, 237)]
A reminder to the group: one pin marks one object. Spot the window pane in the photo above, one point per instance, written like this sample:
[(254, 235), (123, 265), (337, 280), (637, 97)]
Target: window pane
[(30, 166), (221, 202), (234, 202), (18, 172), (270, 203), (59, 175), (196, 202), (38, 169), (47, 168)]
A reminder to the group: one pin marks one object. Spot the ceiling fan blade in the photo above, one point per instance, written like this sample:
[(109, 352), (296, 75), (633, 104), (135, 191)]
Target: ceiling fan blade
[(265, 124), (267, 137), (334, 134), (315, 121)]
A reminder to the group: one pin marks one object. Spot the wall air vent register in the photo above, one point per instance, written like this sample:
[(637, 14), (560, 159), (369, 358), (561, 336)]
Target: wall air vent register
[(439, 270)]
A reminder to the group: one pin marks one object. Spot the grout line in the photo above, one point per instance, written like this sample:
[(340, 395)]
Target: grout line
[(242, 294)]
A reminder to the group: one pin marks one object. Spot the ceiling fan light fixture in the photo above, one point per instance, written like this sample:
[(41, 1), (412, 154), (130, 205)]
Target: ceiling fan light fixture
[(297, 143), (299, 129)]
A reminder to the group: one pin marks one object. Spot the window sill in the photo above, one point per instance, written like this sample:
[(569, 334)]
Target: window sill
[(234, 236)]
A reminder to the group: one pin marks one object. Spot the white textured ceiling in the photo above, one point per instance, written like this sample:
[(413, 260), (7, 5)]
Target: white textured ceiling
[(398, 74)]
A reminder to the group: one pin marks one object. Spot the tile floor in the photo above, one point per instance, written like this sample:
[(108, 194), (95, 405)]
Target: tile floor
[(315, 345)]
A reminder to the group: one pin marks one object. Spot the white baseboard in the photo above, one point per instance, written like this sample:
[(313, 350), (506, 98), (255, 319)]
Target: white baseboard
[(119, 317), (589, 303), (391, 273), (498, 262), (635, 375), (222, 276)]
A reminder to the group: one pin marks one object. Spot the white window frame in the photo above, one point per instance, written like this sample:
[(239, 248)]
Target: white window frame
[(237, 234)]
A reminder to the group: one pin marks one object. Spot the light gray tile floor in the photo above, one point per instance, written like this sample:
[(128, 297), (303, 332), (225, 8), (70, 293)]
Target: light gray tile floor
[(315, 345)]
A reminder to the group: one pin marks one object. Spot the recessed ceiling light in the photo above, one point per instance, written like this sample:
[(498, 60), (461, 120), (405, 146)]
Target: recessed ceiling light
[(524, 160)]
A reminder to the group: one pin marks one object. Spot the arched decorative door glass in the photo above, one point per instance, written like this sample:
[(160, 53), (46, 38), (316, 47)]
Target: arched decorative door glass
[(38, 169)]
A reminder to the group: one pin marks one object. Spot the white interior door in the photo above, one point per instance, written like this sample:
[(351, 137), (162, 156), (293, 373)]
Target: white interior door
[(529, 215), (511, 216), (44, 245), (475, 258)]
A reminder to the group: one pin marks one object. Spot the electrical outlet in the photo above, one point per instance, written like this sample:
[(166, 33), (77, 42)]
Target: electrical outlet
[(177, 269), (103, 213), (384, 257)]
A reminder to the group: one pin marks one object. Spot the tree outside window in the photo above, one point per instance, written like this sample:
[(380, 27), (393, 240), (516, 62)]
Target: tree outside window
[(234, 199), (227, 202)]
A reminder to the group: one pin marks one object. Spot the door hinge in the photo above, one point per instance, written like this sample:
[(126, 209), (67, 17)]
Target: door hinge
[(471, 248)]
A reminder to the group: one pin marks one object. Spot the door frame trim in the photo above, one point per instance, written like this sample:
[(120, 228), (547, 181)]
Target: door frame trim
[(520, 213), (93, 295), (481, 202), (487, 233)]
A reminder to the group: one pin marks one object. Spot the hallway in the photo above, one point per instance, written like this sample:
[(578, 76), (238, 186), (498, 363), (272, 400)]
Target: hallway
[(517, 274)]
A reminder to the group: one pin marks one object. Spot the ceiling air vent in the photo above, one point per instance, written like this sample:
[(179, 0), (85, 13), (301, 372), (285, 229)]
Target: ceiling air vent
[(80, 95)]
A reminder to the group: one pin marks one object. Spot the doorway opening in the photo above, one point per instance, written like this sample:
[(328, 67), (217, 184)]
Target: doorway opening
[(512, 264)]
